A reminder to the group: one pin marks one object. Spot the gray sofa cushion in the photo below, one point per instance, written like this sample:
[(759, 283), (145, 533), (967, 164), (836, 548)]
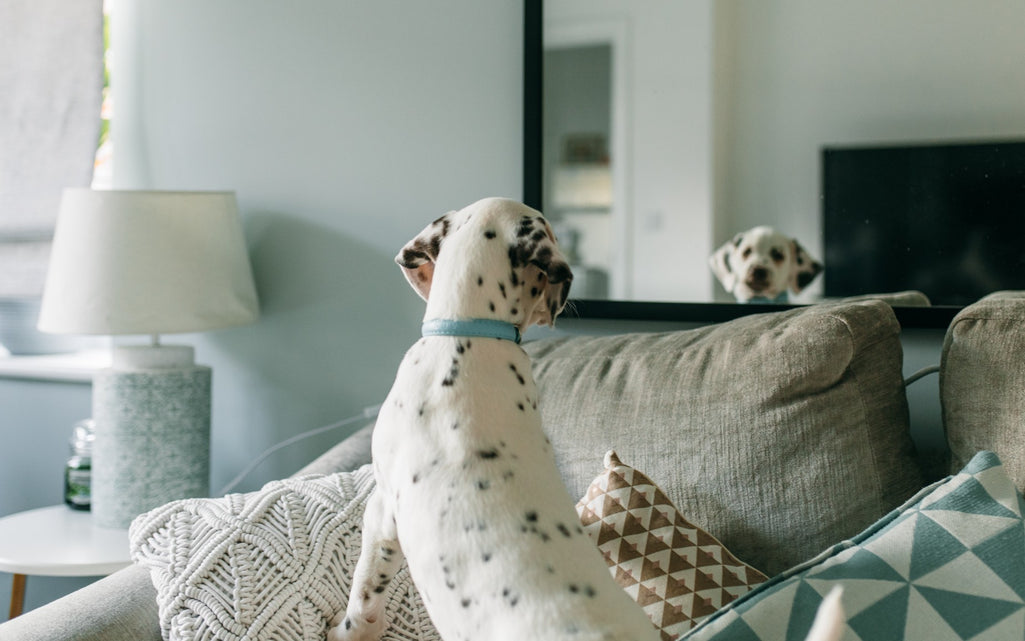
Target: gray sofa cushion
[(781, 434), (982, 382)]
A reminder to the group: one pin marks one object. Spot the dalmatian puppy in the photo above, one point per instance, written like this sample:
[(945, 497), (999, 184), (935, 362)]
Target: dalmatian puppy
[(467, 487), (761, 264)]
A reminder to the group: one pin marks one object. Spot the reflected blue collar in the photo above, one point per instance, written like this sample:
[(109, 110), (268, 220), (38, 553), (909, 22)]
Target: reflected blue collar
[(782, 299), (478, 327)]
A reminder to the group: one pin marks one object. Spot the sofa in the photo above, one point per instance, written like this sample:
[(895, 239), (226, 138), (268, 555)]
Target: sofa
[(777, 443)]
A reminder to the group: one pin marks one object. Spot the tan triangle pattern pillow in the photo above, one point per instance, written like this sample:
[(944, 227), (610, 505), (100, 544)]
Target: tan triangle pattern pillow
[(676, 571)]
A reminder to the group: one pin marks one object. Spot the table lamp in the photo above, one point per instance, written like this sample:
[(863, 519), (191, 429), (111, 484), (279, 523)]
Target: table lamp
[(148, 263)]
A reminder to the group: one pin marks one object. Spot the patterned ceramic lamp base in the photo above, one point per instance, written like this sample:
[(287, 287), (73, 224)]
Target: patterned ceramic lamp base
[(152, 437)]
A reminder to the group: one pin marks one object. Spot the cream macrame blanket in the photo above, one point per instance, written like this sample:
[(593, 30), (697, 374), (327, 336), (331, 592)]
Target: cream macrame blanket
[(273, 564)]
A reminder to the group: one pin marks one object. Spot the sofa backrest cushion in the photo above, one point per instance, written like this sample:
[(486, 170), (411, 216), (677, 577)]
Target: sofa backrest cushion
[(982, 382), (780, 434)]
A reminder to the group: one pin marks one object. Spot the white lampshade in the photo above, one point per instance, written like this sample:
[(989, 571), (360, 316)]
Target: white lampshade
[(147, 262)]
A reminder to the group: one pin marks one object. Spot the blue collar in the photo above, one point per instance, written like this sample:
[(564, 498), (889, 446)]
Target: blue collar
[(781, 299), (478, 327)]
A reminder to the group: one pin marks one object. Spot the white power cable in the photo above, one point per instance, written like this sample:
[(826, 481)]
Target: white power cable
[(925, 371), (367, 413)]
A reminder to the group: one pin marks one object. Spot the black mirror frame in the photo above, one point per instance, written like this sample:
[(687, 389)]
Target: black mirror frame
[(938, 316)]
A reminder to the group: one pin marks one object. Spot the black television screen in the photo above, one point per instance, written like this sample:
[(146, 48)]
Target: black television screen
[(944, 219)]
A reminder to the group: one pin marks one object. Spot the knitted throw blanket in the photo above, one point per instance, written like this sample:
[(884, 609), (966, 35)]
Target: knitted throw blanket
[(273, 564)]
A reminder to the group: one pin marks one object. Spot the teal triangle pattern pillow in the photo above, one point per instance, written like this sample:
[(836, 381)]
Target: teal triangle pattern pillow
[(947, 565)]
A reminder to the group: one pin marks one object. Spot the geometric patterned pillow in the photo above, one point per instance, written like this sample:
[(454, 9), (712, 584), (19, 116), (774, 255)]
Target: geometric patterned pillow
[(677, 572), (273, 564), (949, 564)]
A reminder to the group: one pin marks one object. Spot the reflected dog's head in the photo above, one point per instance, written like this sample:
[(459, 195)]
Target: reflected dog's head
[(762, 263)]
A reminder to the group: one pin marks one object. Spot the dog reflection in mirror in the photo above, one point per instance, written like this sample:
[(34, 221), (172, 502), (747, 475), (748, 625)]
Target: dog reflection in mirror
[(761, 265)]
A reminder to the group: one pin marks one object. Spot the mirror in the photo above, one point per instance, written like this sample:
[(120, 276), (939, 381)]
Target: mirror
[(669, 127)]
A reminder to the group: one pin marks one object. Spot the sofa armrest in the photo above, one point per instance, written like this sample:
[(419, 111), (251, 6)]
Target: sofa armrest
[(120, 607), (982, 382), (352, 453)]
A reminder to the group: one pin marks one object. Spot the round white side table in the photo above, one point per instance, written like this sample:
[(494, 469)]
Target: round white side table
[(57, 541)]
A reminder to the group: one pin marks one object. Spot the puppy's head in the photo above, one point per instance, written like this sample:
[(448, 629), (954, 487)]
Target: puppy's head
[(763, 263), (496, 258)]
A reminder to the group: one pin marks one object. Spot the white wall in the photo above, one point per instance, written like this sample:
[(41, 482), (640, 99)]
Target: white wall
[(344, 127), (795, 75)]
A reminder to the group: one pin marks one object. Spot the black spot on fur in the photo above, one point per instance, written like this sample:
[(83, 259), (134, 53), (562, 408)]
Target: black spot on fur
[(486, 557), (522, 408), (379, 589), (559, 272), (531, 516), (514, 279), (435, 242), (483, 484), (459, 348), (526, 227), (563, 530), (543, 258), (489, 234), (511, 598), (348, 623), (488, 454), (534, 292), (501, 288), (413, 257), (465, 603), (480, 281), (453, 374), (491, 306)]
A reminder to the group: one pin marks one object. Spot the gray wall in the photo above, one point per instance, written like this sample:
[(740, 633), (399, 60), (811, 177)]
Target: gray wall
[(344, 128)]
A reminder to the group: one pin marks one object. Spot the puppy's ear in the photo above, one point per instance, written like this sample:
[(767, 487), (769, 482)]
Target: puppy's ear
[(546, 274), (721, 267), (803, 268), (418, 256)]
